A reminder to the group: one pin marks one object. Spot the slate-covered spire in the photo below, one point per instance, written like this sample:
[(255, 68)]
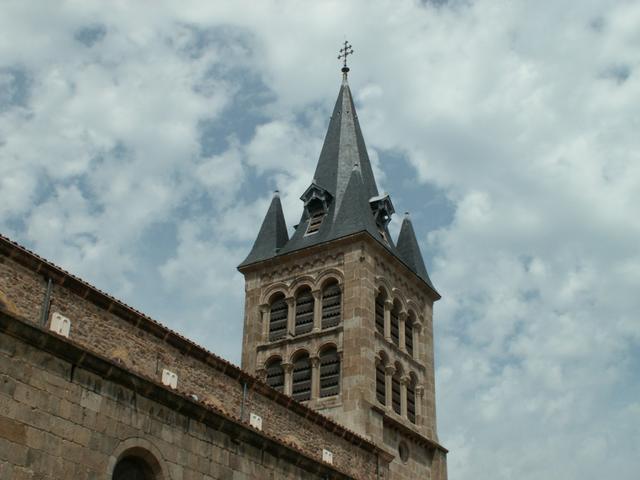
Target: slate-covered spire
[(409, 250), (343, 148), (272, 236)]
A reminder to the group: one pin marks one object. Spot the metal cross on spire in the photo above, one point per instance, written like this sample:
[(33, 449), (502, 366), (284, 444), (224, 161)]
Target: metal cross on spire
[(344, 51)]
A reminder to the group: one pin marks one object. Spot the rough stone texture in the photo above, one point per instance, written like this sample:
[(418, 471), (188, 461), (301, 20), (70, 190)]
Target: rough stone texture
[(96, 327), (52, 427), (362, 267)]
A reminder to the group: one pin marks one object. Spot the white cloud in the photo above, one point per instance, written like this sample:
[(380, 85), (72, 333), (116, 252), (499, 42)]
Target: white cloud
[(523, 114)]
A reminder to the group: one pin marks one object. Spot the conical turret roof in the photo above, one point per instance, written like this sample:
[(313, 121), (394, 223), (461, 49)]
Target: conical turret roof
[(272, 236), (409, 250)]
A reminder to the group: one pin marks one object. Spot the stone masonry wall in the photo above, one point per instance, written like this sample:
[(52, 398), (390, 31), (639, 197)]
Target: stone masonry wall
[(364, 266), (97, 329), (52, 427)]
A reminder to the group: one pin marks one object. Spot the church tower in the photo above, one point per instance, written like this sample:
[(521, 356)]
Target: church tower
[(339, 316)]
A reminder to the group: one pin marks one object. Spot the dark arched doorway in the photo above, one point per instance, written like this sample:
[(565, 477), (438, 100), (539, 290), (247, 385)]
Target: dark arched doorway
[(132, 468)]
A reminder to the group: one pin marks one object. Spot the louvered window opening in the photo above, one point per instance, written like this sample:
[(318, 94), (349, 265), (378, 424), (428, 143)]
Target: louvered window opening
[(301, 381), (329, 373), (408, 336), (304, 312), (275, 375), (395, 395), (278, 320), (381, 390), (411, 402), (380, 313), (314, 223), (331, 306), (395, 330)]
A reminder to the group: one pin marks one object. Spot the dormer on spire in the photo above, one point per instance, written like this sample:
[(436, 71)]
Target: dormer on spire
[(382, 209), (316, 206), (272, 236)]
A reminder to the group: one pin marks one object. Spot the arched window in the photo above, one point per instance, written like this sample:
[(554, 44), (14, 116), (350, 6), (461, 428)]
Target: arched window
[(132, 468), (329, 372), (395, 323), (395, 390), (304, 311), (278, 317), (380, 299), (275, 374), (301, 382), (411, 399), (408, 332), (331, 304), (381, 383)]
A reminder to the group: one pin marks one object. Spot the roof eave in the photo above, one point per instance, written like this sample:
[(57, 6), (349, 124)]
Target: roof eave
[(244, 269)]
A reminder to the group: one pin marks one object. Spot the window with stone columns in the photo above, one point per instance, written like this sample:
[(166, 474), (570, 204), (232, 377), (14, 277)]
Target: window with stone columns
[(395, 323), (396, 401), (381, 387), (380, 301), (411, 397), (331, 304), (275, 374), (301, 377), (408, 332), (329, 372), (304, 311), (278, 310)]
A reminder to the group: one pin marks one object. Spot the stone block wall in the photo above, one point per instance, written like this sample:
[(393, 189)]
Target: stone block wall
[(363, 267), (108, 328), (58, 421)]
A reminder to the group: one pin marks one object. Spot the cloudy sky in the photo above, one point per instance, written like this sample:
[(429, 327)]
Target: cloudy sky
[(140, 143)]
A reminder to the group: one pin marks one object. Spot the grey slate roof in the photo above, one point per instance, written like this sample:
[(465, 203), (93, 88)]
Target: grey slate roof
[(409, 250), (343, 148), (344, 171), (272, 236)]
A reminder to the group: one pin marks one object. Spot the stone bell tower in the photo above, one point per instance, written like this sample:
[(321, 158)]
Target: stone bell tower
[(339, 316)]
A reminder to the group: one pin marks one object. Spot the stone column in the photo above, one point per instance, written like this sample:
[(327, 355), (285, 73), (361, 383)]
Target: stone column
[(315, 378), (288, 378), (403, 396), (388, 305), (417, 340), (340, 373), (389, 370), (317, 310), (402, 317), (419, 397), (291, 316), (264, 318)]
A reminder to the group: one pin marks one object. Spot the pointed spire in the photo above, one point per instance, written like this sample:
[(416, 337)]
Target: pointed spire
[(344, 147), (272, 236), (409, 250)]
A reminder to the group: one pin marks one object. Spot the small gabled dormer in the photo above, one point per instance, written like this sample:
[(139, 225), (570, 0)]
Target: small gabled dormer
[(316, 205), (382, 209)]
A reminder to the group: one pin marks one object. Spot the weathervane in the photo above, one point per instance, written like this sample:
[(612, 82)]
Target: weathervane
[(344, 51)]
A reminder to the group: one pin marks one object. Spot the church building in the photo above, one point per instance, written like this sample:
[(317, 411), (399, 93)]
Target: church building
[(337, 374)]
